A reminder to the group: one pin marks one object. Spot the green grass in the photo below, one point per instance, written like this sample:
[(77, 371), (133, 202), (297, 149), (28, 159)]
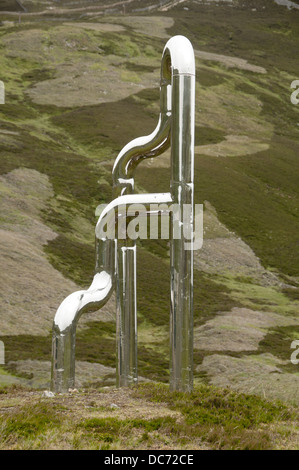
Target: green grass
[(112, 431), (209, 77), (278, 342), (31, 421), (22, 347), (225, 419), (95, 344), (261, 297), (74, 259), (255, 197), (154, 291), (214, 405), (9, 5), (103, 116), (250, 205), (228, 31), (209, 417)]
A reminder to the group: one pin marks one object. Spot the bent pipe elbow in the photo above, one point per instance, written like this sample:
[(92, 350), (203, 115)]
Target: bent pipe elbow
[(144, 147), (65, 324), (177, 59), (138, 150), (83, 301)]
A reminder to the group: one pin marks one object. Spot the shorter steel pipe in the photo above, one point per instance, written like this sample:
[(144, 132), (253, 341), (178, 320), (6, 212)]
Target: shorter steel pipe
[(65, 325)]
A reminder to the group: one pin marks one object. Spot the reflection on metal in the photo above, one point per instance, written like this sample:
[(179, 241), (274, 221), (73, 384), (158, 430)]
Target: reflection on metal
[(116, 258)]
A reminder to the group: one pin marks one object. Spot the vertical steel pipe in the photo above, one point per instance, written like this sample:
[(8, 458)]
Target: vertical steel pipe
[(126, 314), (180, 53)]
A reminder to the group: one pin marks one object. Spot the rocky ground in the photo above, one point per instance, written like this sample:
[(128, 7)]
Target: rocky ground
[(144, 418)]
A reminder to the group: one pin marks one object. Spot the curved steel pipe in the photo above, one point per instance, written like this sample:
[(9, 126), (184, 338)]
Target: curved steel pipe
[(70, 311), (65, 325), (144, 147), (177, 59)]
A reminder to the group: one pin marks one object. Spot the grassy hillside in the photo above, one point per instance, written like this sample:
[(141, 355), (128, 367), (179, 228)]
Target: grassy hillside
[(82, 81)]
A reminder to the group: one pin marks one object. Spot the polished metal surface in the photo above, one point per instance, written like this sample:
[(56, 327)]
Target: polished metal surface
[(116, 254), (181, 259)]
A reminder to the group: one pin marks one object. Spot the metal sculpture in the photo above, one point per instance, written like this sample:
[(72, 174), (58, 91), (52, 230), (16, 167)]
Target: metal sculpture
[(116, 257)]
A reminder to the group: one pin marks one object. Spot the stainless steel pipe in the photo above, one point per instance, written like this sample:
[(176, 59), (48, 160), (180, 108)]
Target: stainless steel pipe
[(116, 257), (182, 191)]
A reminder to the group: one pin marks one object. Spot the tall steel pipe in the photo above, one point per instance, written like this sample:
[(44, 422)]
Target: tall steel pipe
[(116, 258), (181, 56)]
